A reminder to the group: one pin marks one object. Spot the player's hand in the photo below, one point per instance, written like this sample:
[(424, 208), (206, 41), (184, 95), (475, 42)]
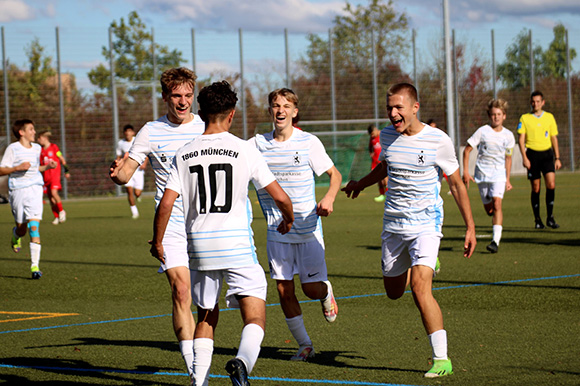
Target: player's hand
[(324, 207), (67, 175), (470, 243), (526, 163), (466, 178), (117, 165), (51, 164), (22, 167), (351, 189), (557, 164), (157, 251), (508, 185), (284, 227)]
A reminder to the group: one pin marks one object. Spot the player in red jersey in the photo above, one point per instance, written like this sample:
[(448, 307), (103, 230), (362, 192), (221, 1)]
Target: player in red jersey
[(374, 151), (52, 184)]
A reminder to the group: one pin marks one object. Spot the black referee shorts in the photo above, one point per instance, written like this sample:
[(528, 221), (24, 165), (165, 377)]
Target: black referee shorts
[(541, 162)]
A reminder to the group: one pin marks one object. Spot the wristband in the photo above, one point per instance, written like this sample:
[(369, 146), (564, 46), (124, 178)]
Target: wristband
[(66, 169)]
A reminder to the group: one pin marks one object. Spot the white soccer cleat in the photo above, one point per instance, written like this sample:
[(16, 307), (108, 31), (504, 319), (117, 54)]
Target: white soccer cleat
[(62, 216), (55, 221), (329, 306)]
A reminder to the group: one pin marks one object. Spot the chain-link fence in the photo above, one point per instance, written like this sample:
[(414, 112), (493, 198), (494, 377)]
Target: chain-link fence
[(335, 96)]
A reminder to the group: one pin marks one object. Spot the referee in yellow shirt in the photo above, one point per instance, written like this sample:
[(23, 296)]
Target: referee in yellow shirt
[(538, 141)]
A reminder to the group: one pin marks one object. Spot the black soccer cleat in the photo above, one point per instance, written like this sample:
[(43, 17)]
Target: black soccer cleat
[(552, 223), (540, 224), (492, 247), (237, 371)]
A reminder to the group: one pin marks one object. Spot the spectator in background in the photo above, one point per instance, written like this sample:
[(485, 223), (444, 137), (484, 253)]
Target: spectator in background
[(52, 182), (135, 185)]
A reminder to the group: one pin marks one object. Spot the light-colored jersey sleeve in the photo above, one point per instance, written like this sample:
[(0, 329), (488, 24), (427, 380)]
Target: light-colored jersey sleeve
[(141, 146), (511, 143), (475, 138), (8, 158), (445, 157), (119, 150), (173, 181), (320, 162), (259, 171)]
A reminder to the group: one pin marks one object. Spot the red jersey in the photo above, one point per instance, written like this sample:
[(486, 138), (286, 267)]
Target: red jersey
[(51, 176), (375, 150)]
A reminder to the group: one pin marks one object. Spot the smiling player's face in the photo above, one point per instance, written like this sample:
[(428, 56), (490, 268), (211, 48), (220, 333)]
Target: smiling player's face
[(282, 112), (402, 111), (179, 102)]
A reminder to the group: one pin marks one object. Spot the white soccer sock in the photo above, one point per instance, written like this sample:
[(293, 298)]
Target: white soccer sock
[(34, 254), (438, 341), (203, 349), (134, 210), (298, 330), (252, 336), (497, 233), (186, 348)]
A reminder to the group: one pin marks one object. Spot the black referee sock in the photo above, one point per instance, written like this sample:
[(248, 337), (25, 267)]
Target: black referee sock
[(550, 194), (536, 204)]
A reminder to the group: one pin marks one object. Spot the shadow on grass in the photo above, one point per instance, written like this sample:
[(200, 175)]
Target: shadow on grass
[(76, 368), (76, 342)]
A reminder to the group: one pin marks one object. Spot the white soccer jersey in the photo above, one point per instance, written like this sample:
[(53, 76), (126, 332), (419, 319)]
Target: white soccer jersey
[(159, 140), (211, 174), (293, 163), (492, 147), (123, 146), (415, 165), (16, 154)]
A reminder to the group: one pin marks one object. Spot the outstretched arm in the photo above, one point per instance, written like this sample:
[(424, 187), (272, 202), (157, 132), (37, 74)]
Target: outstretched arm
[(325, 206), (353, 188), (466, 176), (283, 203), (460, 195), (162, 215), (122, 169)]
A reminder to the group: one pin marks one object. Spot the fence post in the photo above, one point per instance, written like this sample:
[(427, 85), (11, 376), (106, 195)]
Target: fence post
[(153, 82), (6, 98), (448, 74), (332, 94), (61, 112), (193, 67), (375, 85), (287, 54), (114, 101), (570, 121), (493, 76), (415, 80), (243, 92), (457, 138), (532, 80)]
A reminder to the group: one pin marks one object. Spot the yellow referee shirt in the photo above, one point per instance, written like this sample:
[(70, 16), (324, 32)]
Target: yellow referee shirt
[(538, 130)]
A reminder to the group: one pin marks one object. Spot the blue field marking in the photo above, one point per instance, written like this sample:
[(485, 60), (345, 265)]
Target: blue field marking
[(136, 372), (302, 302)]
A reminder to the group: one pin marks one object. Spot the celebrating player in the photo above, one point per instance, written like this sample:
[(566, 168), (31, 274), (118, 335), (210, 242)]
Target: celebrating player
[(211, 174), (293, 155), (159, 140), (414, 156)]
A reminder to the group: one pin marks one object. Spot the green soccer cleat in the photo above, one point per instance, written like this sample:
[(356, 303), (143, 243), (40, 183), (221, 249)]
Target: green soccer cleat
[(437, 267), (441, 368), (16, 242), (380, 198)]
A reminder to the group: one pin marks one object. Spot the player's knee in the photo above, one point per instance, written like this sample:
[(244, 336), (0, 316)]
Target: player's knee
[(394, 294), (33, 228), (181, 293)]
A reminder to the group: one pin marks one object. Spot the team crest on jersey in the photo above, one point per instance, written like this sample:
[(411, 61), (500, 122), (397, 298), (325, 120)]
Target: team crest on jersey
[(163, 158), (297, 159), (421, 158)]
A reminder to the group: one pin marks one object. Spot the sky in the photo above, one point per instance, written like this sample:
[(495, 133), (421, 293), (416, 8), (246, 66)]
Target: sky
[(87, 21)]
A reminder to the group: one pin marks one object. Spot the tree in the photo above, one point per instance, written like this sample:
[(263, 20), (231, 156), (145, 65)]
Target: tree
[(40, 70), (133, 54), (554, 58), (515, 71)]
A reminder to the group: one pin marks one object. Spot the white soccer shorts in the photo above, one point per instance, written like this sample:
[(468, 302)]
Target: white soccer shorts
[(174, 250), (305, 259), (488, 190), (137, 182), (206, 286), (26, 203), (401, 252)]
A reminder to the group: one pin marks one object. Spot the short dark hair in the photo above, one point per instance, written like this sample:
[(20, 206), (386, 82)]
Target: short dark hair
[(537, 93), (19, 125), (217, 100), (175, 77), (128, 126), (371, 128), (407, 88)]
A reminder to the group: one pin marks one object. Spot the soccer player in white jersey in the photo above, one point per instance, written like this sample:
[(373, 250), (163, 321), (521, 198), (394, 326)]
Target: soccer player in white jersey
[(414, 157), (135, 185), (294, 156), (159, 140), (211, 174), (495, 146), (21, 162)]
